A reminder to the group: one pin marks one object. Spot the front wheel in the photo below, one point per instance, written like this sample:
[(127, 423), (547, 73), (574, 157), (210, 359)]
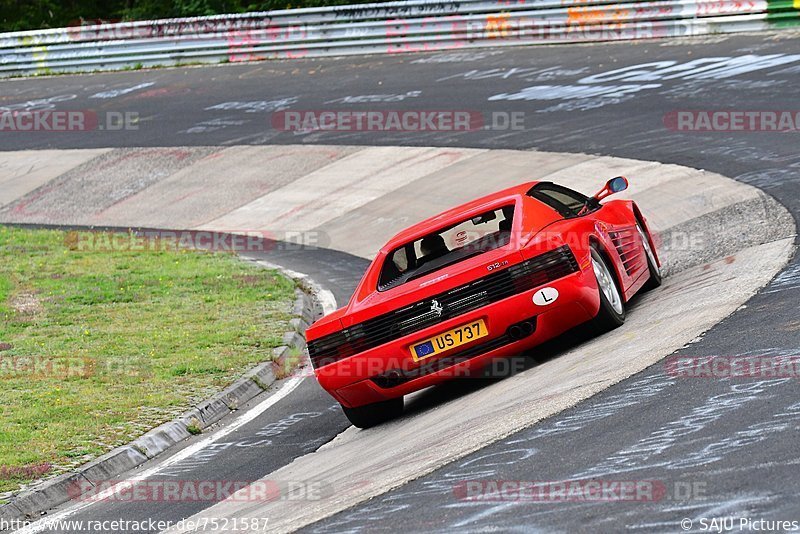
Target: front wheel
[(374, 414), (612, 308)]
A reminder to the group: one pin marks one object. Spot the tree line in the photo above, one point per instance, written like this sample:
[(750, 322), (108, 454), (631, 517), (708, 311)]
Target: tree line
[(18, 15)]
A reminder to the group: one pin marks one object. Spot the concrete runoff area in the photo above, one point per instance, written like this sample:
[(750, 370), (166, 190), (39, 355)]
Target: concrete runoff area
[(22, 172), (333, 192), (707, 283)]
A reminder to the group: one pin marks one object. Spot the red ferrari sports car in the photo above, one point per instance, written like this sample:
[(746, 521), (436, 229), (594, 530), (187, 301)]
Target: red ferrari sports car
[(481, 281)]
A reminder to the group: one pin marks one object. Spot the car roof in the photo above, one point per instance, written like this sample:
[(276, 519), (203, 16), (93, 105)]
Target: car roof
[(457, 214)]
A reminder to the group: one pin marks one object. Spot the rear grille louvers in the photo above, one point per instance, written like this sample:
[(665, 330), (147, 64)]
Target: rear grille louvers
[(447, 305)]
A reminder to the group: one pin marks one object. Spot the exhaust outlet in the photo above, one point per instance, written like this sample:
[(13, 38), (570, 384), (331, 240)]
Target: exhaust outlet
[(521, 330), (527, 328), (391, 378)]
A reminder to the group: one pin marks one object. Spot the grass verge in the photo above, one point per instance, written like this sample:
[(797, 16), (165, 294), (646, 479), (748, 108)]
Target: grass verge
[(96, 348)]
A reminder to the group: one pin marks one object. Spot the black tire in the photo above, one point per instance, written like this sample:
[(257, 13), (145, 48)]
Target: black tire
[(655, 272), (374, 414), (612, 311)]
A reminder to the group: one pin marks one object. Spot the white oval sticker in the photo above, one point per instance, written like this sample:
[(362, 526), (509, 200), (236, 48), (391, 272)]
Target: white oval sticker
[(545, 296)]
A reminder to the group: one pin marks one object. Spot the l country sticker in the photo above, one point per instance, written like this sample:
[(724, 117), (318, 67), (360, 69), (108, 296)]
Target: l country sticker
[(545, 296)]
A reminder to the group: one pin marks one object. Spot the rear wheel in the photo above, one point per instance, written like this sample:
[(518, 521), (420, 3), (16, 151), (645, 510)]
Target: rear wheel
[(652, 264), (374, 414), (612, 308)]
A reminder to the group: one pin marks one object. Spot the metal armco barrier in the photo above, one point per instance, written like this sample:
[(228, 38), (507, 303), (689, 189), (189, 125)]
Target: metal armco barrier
[(379, 28)]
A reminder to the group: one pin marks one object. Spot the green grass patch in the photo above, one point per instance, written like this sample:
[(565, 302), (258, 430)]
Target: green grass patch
[(96, 348)]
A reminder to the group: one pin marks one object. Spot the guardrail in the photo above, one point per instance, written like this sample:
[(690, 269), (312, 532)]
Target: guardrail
[(378, 28)]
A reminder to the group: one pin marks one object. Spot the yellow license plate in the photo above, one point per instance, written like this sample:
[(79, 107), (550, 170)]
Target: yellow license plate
[(449, 340)]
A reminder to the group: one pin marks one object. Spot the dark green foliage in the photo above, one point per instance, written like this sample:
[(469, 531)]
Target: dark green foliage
[(35, 14)]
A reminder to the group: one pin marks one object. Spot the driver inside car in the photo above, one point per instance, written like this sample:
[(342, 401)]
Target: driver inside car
[(432, 247)]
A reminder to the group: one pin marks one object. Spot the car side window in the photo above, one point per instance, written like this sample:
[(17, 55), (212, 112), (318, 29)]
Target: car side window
[(400, 259), (565, 201)]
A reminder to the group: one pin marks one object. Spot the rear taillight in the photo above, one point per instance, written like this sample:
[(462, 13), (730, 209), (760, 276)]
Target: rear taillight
[(337, 346)]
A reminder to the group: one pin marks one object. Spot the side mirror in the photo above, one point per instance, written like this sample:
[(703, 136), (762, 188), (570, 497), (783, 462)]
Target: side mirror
[(614, 185)]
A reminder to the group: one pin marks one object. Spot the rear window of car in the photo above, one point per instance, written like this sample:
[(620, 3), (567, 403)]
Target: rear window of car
[(468, 238)]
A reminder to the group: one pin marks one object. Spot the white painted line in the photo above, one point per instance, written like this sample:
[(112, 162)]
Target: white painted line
[(51, 522), (120, 92), (327, 300), (325, 296)]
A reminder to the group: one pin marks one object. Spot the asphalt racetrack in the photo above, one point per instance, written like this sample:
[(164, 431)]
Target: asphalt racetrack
[(717, 447)]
